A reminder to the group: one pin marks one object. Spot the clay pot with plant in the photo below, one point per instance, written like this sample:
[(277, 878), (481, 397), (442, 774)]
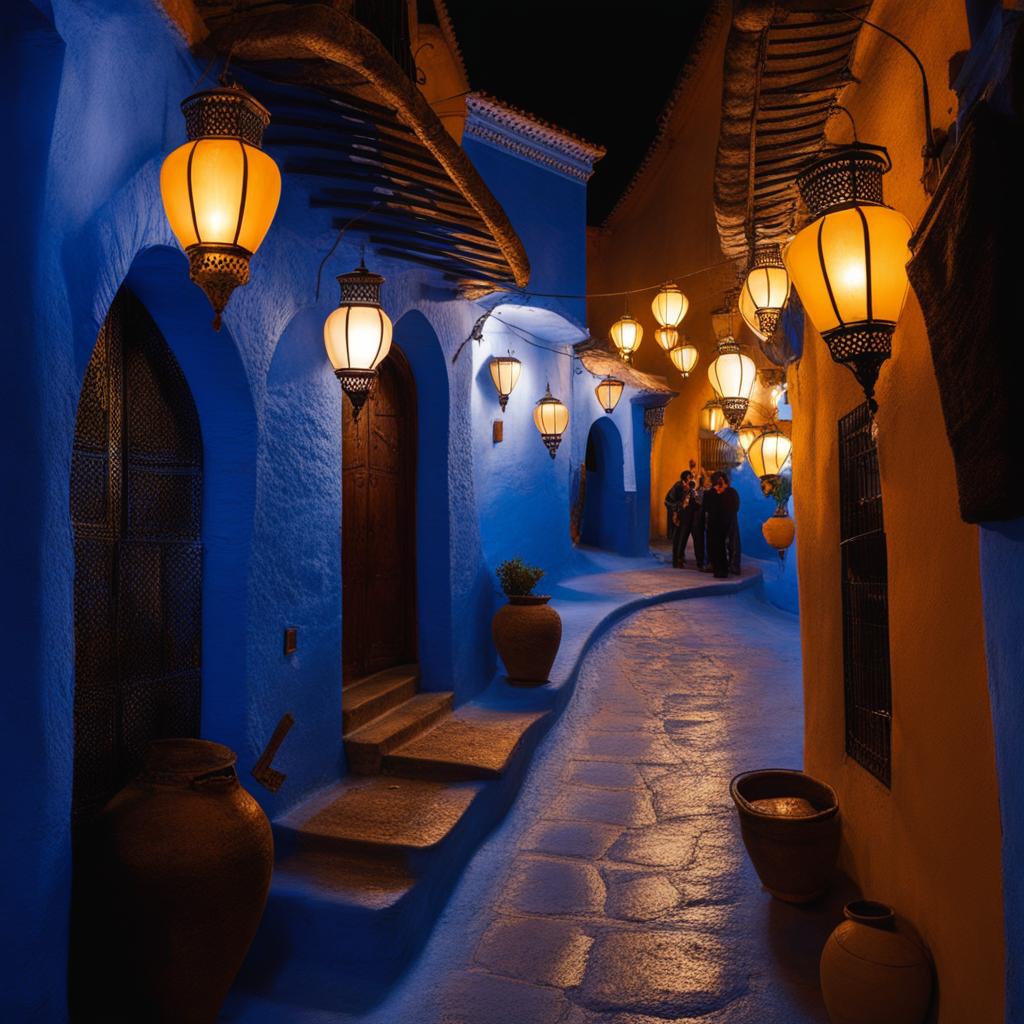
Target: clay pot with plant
[(778, 529), (527, 631)]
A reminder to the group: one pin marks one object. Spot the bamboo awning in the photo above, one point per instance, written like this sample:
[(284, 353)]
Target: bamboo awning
[(347, 118), (785, 64)]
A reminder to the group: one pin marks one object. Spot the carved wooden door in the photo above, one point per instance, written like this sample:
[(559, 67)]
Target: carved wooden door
[(378, 525), (136, 492)]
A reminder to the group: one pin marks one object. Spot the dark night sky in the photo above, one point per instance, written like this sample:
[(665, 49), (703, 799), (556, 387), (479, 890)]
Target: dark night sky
[(600, 70)]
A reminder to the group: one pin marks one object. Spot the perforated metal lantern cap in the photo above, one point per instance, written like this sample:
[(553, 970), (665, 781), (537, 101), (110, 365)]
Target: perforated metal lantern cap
[(608, 392), (220, 190), (849, 263), (357, 335), (551, 417)]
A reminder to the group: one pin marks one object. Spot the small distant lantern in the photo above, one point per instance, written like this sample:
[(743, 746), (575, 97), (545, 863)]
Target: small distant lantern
[(766, 289), (608, 392), (551, 418), (745, 436), (850, 263), (626, 333), (768, 454), (669, 306), (732, 375), (666, 337), (220, 190), (712, 419), (684, 358), (505, 372), (358, 335)]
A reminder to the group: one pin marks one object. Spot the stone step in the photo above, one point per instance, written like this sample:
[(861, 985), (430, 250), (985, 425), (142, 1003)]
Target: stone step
[(366, 746), (471, 743), (366, 699)]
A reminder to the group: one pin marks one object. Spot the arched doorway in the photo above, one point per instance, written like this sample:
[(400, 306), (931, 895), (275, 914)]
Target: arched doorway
[(378, 526), (605, 522), (136, 500)]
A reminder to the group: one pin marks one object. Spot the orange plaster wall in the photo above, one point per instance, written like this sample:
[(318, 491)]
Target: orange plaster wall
[(931, 846), (666, 227)]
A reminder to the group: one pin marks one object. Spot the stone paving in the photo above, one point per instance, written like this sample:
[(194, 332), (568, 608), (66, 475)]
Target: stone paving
[(618, 890)]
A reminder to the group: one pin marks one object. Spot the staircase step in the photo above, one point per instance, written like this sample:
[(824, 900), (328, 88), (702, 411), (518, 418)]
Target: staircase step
[(365, 699), (377, 822), (472, 743), (366, 746)]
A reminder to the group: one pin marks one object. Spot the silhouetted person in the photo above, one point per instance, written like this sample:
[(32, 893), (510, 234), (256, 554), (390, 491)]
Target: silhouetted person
[(681, 509), (719, 511), (732, 540)]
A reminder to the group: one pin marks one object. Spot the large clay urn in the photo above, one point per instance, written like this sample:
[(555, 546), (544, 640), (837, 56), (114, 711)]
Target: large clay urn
[(874, 969), (779, 530), (790, 827), (186, 858), (527, 632)]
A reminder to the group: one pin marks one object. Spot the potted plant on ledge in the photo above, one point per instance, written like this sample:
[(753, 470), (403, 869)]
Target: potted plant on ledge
[(778, 529), (527, 631)]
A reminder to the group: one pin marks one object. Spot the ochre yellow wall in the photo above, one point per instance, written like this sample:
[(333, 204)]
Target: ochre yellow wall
[(931, 846), (664, 227)]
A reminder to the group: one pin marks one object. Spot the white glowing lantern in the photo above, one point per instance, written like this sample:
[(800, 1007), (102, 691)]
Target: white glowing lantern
[(768, 453), (669, 306), (732, 375), (666, 337), (712, 419), (551, 417), (684, 358), (505, 372), (626, 333), (608, 392), (765, 290)]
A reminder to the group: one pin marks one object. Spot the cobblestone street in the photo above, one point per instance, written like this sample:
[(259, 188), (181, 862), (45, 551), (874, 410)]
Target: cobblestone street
[(618, 889)]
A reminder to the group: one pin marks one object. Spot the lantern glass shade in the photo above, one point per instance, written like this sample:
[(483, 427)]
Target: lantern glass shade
[(684, 358), (666, 337), (850, 267), (712, 418), (768, 453), (220, 190), (551, 417), (749, 314), (745, 436), (357, 337), (767, 287), (670, 306), (608, 392), (626, 334), (505, 372), (732, 374)]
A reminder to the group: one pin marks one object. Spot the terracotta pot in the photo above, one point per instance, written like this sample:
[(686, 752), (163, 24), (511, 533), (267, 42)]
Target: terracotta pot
[(790, 827), (874, 969), (779, 531), (527, 632), (187, 856)]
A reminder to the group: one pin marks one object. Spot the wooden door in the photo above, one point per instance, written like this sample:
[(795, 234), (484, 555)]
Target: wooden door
[(378, 525)]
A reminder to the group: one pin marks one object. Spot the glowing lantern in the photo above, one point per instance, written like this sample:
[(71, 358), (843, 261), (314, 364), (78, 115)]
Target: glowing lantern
[(745, 436), (712, 418), (358, 335), (768, 454), (732, 375), (850, 263), (766, 289), (551, 418), (684, 358), (608, 392), (669, 306), (627, 334), (220, 190), (666, 337), (505, 372), (749, 315)]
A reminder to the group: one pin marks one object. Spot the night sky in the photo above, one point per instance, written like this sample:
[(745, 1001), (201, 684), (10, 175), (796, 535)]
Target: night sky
[(600, 70)]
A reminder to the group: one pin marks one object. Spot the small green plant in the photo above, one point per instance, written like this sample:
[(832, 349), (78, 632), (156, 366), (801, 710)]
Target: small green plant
[(517, 578), (778, 490)]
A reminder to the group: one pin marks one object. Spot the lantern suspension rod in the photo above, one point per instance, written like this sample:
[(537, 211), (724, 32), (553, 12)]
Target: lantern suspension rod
[(931, 150), (337, 241), (838, 108)]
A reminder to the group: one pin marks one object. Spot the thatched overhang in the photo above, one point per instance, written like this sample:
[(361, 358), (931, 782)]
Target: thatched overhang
[(347, 117), (785, 64), (652, 391)]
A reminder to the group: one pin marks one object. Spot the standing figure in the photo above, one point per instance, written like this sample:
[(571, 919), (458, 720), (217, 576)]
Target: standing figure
[(700, 525), (678, 501), (732, 540), (717, 515)]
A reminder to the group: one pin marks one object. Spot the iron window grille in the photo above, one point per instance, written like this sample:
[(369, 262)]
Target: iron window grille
[(866, 673)]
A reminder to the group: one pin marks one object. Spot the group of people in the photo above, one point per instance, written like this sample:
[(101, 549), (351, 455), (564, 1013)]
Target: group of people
[(708, 514)]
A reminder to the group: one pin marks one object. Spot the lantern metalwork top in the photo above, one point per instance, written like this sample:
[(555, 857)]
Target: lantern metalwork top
[(849, 176), (226, 112)]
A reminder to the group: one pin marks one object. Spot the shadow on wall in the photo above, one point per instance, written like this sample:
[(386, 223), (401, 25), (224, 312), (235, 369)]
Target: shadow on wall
[(608, 511)]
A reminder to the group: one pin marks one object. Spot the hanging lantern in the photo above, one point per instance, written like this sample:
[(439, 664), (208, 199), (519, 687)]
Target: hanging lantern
[(768, 454), (551, 418), (505, 372), (220, 190), (745, 436), (608, 392), (669, 306), (732, 375), (850, 263), (627, 334), (712, 419), (684, 358), (748, 313), (666, 337), (765, 289), (358, 335)]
